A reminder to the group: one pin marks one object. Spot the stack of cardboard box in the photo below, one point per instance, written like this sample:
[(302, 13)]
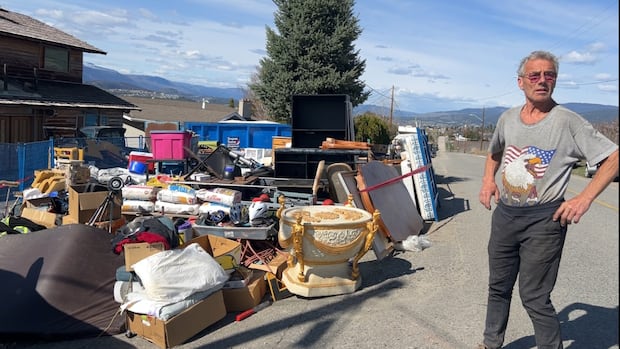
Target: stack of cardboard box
[(236, 297)]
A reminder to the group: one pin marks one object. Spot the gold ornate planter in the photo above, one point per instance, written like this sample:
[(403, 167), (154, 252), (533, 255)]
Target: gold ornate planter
[(325, 245)]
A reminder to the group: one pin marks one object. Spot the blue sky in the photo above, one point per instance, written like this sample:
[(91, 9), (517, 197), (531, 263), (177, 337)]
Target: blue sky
[(436, 55)]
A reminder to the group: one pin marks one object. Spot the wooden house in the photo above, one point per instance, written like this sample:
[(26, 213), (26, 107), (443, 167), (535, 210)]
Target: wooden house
[(42, 93)]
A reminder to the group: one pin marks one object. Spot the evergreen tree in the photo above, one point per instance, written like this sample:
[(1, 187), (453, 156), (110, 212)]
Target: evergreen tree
[(312, 52)]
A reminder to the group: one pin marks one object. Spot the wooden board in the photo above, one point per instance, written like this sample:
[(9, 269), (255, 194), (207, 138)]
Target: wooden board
[(381, 245), (399, 215)]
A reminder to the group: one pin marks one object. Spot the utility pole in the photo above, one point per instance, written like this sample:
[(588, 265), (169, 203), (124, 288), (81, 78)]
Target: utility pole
[(482, 130), (392, 106)]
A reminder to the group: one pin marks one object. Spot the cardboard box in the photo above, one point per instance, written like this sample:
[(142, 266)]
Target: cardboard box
[(276, 265), (39, 216), (66, 220), (135, 252), (43, 202), (239, 278), (222, 249), (225, 251), (180, 328), (83, 203), (244, 298), (38, 211)]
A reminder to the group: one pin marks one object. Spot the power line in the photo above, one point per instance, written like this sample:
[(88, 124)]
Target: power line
[(591, 23), (595, 82)]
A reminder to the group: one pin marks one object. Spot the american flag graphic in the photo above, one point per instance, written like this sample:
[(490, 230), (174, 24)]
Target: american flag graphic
[(513, 153)]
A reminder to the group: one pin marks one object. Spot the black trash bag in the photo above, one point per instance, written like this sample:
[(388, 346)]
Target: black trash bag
[(163, 226)]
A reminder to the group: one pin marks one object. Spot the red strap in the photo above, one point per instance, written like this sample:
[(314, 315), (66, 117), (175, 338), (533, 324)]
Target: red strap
[(143, 236), (396, 179)]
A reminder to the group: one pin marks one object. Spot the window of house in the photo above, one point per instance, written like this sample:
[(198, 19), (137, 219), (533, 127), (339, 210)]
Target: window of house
[(94, 118), (56, 59)]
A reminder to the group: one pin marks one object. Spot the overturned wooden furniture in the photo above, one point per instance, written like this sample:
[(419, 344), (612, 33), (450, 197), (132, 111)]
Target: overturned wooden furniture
[(381, 188)]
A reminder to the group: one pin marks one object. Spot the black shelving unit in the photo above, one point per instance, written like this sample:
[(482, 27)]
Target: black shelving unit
[(317, 117), (303, 162)]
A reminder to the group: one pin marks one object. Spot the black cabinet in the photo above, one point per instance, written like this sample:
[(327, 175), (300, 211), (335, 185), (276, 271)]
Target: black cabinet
[(303, 162), (317, 117)]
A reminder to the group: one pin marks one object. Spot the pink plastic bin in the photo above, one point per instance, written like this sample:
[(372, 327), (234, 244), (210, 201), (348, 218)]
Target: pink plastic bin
[(170, 145)]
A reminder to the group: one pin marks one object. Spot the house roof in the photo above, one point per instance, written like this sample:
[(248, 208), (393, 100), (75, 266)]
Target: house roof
[(22, 26), (175, 110), (60, 94)]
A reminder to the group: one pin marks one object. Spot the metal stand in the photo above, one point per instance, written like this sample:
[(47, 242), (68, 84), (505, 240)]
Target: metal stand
[(9, 184), (115, 184), (98, 215)]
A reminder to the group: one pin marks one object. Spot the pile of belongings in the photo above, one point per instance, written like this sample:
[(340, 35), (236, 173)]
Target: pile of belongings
[(165, 283), (171, 281)]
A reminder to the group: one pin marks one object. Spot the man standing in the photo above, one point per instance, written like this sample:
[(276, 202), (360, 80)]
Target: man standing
[(536, 146)]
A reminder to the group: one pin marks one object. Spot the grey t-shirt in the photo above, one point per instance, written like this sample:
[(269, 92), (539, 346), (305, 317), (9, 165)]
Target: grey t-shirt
[(538, 159)]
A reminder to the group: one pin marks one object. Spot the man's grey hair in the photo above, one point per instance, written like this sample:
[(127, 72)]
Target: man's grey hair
[(548, 56)]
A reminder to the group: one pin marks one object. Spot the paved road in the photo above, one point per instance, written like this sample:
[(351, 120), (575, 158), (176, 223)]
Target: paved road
[(435, 298)]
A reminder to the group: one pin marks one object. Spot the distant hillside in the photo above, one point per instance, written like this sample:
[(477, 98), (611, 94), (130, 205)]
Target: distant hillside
[(152, 86), (130, 84), (595, 113)]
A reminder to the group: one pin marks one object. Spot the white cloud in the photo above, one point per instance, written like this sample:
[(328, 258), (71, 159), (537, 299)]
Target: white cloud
[(579, 58), (568, 84), (147, 14), (597, 47), (602, 77), (55, 14), (608, 87)]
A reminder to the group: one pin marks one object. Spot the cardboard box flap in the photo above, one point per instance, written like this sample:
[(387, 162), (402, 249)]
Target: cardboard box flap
[(225, 251), (135, 252), (39, 216), (84, 200)]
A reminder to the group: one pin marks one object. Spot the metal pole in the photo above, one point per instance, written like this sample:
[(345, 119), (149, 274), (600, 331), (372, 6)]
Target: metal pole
[(482, 130)]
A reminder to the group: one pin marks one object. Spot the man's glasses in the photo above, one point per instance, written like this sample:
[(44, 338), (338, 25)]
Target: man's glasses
[(534, 77)]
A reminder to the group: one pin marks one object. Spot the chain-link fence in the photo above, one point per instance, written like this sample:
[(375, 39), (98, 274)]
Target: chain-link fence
[(19, 161)]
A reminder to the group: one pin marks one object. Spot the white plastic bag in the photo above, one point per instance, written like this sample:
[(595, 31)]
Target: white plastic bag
[(414, 243), (174, 275)]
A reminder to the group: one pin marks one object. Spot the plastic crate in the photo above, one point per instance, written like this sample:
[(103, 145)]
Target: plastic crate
[(170, 145)]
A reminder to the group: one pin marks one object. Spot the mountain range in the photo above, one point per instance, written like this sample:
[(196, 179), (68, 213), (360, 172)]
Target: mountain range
[(153, 86)]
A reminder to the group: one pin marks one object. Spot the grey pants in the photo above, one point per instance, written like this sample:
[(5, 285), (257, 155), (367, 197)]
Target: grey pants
[(527, 243)]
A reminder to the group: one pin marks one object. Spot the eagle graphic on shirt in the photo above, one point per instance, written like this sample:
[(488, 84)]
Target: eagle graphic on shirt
[(522, 167)]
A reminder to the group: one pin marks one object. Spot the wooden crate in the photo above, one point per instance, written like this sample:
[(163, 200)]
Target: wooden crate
[(279, 142)]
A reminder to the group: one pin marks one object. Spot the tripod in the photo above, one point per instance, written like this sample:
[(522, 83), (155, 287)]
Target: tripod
[(115, 185), (108, 203)]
